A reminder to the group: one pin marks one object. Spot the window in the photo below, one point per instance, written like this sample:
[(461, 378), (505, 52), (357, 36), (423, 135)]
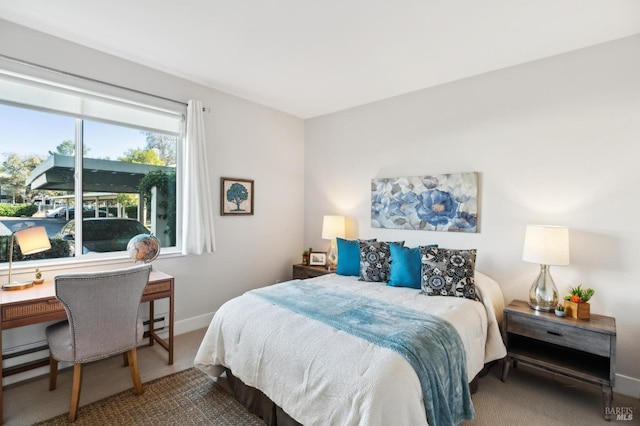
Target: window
[(128, 152)]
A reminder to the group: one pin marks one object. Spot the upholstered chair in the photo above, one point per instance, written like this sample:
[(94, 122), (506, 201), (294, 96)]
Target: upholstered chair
[(102, 321)]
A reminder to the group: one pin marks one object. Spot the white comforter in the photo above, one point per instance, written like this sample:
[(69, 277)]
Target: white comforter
[(322, 376)]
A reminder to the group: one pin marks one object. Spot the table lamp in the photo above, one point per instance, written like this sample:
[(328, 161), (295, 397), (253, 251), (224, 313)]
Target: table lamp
[(31, 241), (332, 228), (546, 245)]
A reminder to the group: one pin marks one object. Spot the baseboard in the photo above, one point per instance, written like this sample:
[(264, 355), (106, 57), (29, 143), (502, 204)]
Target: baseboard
[(626, 385), (191, 324)]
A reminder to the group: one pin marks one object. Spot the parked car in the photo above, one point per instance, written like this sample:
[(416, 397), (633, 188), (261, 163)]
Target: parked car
[(86, 212), (57, 212), (103, 234)]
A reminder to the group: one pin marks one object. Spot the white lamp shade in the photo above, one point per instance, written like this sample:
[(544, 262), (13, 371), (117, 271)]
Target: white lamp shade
[(546, 245), (32, 240), (332, 227)]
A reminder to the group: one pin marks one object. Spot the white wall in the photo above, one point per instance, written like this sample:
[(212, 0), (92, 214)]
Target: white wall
[(555, 141), (245, 140)]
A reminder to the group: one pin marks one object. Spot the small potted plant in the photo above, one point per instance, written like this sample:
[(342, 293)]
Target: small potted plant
[(305, 256), (576, 303), (39, 279), (560, 310)]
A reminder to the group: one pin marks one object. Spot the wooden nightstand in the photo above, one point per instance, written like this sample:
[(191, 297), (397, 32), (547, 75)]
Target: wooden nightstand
[(302, 272), (584, 350)]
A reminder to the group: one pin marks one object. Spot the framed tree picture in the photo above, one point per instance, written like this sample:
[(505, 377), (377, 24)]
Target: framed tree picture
[(236, 196)]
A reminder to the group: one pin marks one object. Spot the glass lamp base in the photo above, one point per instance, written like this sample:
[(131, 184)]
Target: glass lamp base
[(543, 295), (332, 257)]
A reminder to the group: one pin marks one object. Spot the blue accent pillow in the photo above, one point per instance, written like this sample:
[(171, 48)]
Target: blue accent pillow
[(348, 257), (406, 266)]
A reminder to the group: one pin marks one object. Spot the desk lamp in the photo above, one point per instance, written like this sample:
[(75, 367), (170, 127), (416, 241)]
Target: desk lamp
[(546, 245), (332, 228), (31, 241)]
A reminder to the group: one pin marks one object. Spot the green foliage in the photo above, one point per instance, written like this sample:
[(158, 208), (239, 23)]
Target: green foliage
[(172, 198), (68, 147), (584, 294), (127, 199), (17, 210), (156, 178), (59, 248), (16, 170), (142, 156), (165, 146), (166, 187)]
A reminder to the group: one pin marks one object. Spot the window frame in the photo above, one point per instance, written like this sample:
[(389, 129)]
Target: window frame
[(124, 96)]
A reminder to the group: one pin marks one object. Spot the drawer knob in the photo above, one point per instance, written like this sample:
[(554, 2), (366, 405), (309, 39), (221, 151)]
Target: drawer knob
[(554, 333)]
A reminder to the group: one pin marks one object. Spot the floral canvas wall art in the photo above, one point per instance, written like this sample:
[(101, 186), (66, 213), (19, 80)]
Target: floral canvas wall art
[(445, 202)]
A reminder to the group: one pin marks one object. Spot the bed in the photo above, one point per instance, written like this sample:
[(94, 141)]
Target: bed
[(316, 374)]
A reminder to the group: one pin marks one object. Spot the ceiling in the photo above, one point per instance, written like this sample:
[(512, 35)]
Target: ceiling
[(313, 57)]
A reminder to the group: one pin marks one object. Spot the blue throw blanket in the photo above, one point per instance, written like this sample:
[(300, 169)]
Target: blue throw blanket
[(430, 344)]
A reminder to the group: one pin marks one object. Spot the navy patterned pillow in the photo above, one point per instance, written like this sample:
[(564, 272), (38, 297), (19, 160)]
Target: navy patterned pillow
[(375, 260), (447, 272)]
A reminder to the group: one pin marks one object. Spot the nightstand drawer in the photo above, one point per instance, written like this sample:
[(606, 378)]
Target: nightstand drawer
[(557, 333)]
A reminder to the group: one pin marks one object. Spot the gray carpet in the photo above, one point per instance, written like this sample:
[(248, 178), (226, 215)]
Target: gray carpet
[(533, 397)]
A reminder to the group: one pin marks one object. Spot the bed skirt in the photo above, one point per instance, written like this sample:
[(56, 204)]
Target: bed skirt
[(259, 404)]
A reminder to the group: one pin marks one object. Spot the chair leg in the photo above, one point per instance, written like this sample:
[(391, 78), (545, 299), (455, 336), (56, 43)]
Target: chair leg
[(53, 373), (132, 356), (75, 392)]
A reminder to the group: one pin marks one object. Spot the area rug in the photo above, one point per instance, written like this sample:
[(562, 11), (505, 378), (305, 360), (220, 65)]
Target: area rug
[(188, 397)]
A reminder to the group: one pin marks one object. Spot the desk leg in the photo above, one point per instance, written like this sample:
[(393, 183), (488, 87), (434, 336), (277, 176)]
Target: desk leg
[(171, 309), (152, 323), (1, 404), (168, 345)]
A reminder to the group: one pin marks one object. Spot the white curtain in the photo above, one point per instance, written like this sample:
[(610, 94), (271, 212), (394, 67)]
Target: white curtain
[(197, 226)]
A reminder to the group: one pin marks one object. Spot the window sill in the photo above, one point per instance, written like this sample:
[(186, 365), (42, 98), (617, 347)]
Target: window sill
[(51, 267)]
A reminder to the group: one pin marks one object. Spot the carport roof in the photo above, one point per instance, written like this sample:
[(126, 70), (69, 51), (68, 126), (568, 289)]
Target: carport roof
[(56, 173)]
